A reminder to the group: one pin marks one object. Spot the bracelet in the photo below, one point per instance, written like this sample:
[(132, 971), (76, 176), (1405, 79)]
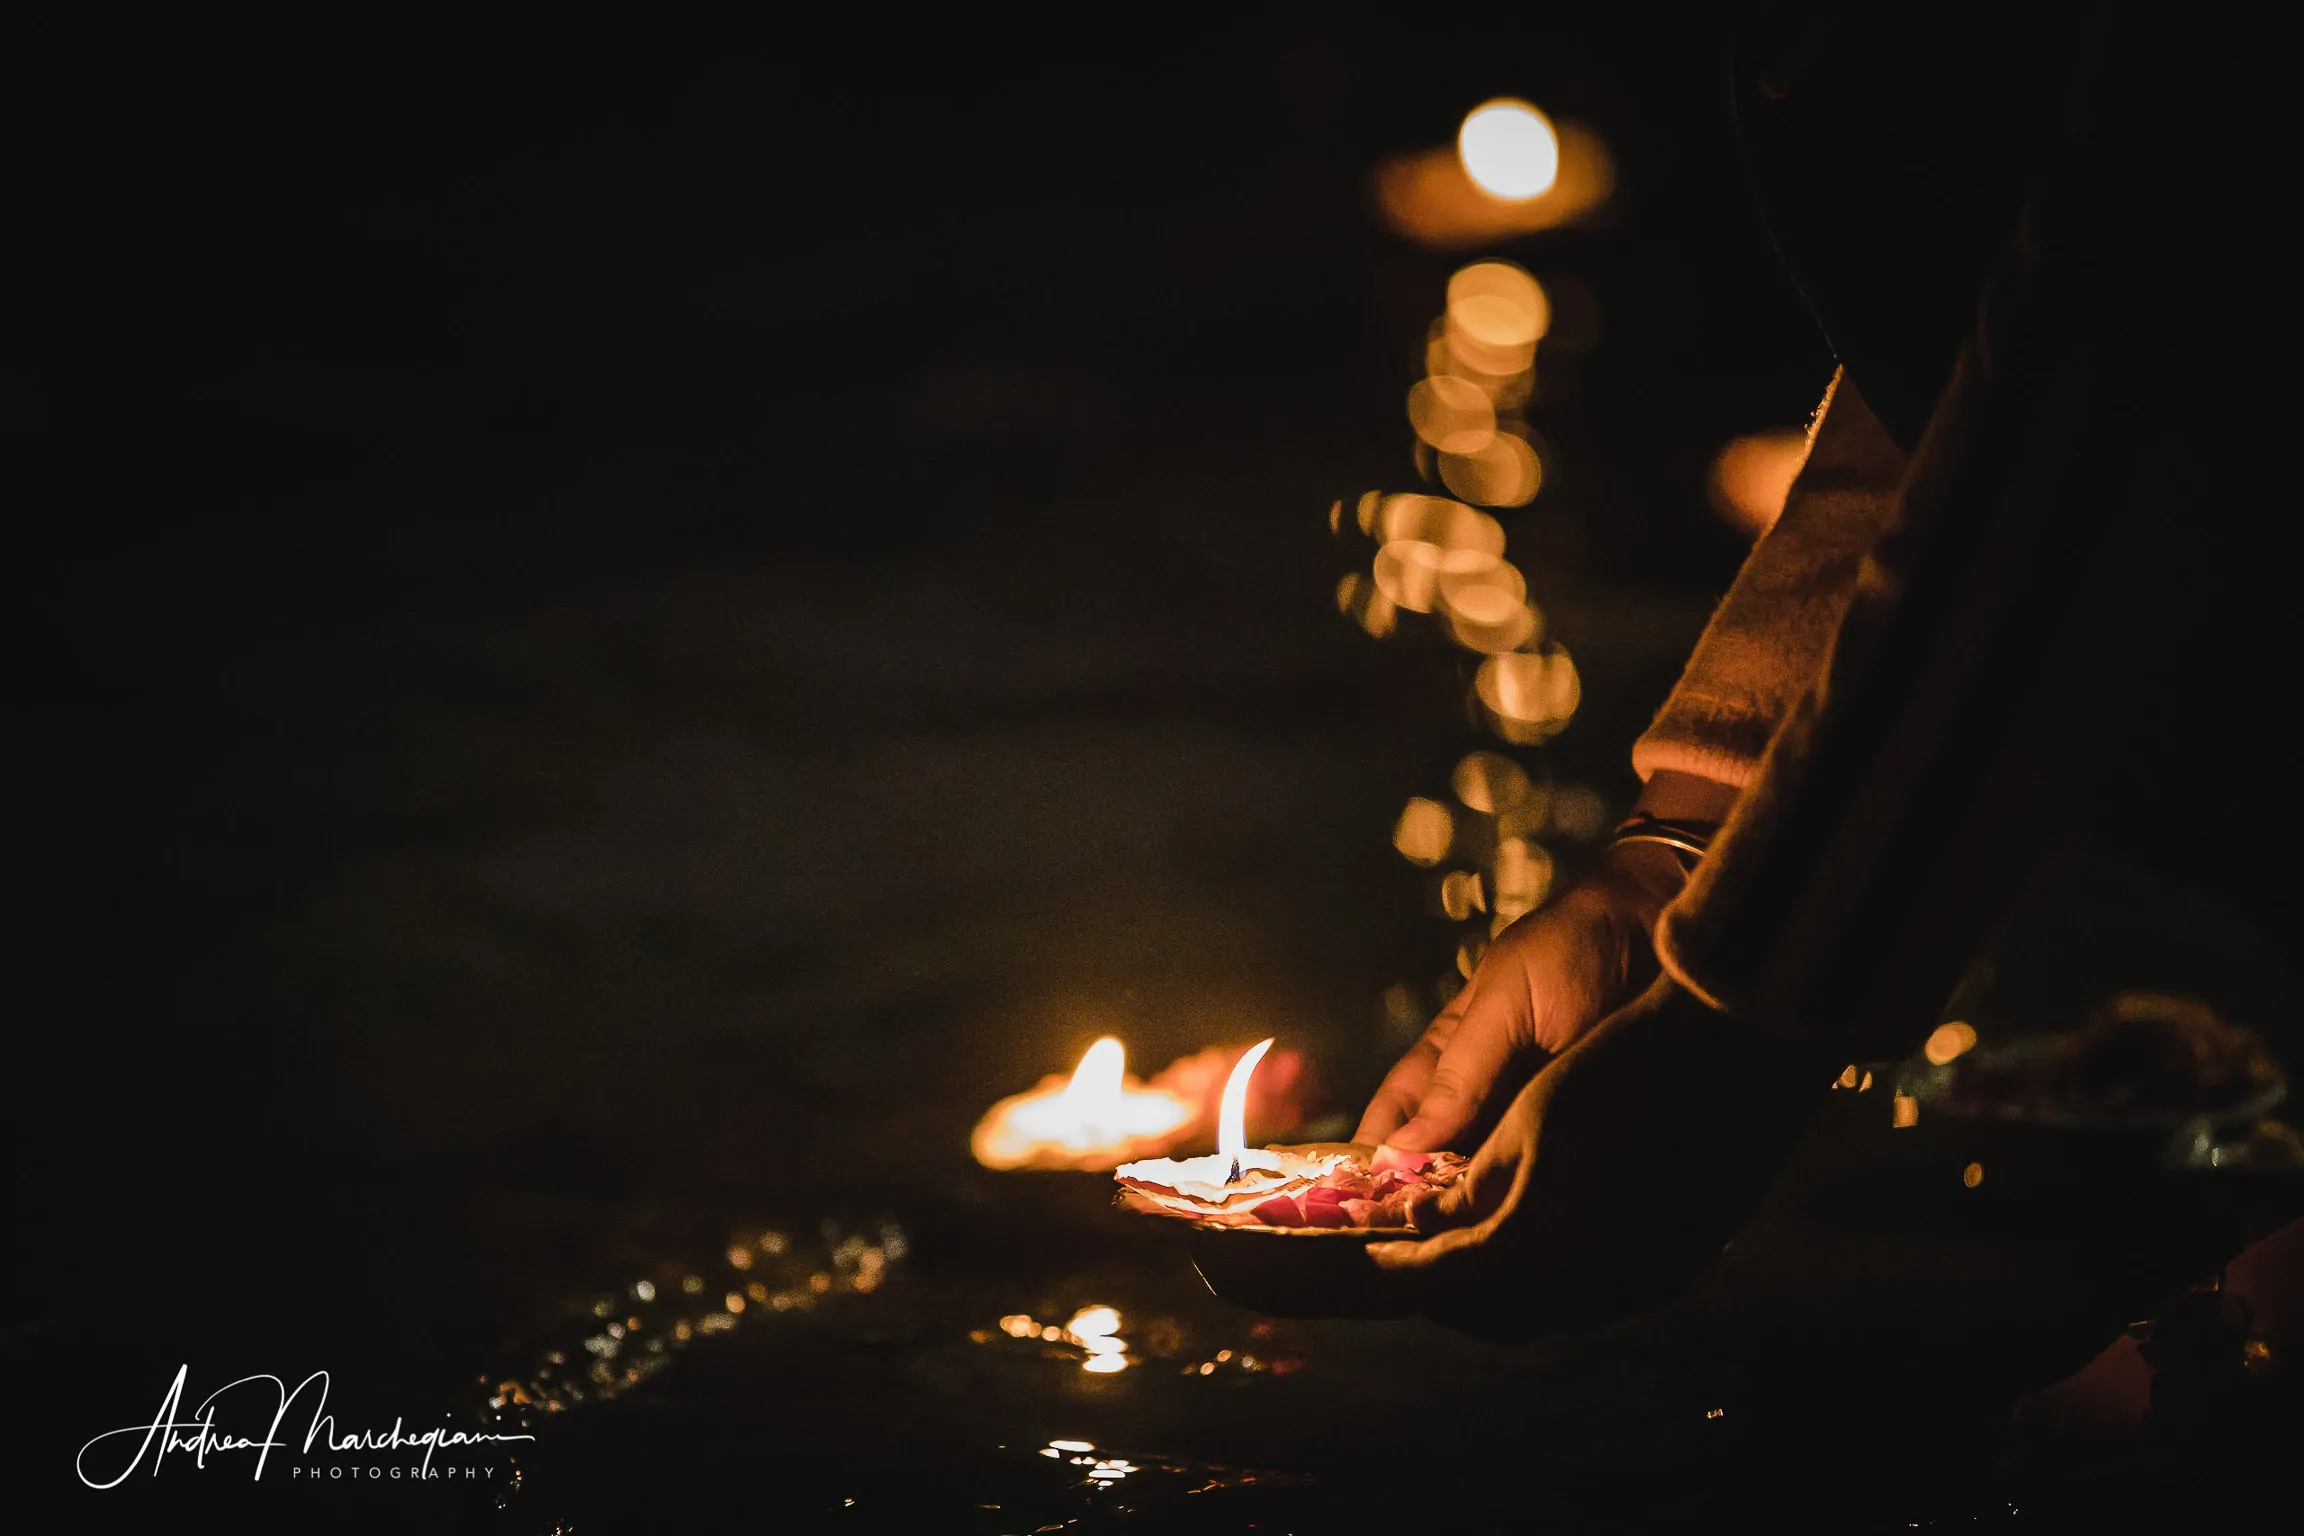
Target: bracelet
[(1688, 839)]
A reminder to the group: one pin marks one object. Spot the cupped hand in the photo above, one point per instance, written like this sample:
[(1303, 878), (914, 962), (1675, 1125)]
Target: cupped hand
[(1616, 1174), (1543, 983)]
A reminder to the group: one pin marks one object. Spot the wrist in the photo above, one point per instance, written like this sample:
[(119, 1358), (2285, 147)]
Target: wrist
[(1622, 895)]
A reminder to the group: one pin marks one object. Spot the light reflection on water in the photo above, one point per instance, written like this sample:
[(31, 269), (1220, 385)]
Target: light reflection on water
[(1098, 1468), (788, 1298), (625, 1338)]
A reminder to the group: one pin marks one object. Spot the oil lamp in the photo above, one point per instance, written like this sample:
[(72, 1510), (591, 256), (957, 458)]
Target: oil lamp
[(1099, 1117), (1329, 1186)]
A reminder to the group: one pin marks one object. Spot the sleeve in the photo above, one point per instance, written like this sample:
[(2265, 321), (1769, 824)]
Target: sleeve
[(1771, 632)]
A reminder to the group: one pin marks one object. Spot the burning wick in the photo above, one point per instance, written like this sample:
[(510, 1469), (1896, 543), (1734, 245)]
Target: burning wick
[(1236, 1180), (1232, 1118)]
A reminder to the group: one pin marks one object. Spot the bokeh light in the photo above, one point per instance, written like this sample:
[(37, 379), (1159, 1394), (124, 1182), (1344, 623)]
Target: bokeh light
[(1503, 472), (1507, 381), (1461, 896), (1529, 696), (1752, 476), (1095, 1321), (1496, 306), (1407, 573), (1424, 832), (1473, 539), (1948, 1043), (1510, 631), (1509, 149), (1486, 594), (1429, 197), (1490, 783), (1523, 878), (1361, 600), (1453, 414)]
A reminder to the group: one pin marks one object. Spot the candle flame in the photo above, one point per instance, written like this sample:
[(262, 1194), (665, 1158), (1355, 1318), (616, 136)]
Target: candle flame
[(1232, 1118), (1094, 1092), (1097, 1118)]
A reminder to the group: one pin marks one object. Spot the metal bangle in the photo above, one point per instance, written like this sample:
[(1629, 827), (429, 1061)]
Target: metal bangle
[(1686, 838)]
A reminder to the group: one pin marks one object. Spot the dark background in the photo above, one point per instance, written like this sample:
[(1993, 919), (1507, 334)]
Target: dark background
[(568, 564), (627, 623)]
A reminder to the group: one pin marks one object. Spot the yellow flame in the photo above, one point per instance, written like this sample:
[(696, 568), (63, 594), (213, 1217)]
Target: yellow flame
[(1099, 1112), (1232, 1117), (1094, 1092)]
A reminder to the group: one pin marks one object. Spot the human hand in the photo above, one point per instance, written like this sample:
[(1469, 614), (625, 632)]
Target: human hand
[(1545, 981), (1617, 1173)]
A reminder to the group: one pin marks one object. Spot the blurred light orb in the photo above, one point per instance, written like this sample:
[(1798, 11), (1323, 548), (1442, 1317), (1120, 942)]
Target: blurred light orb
[(1461, 896), (1424, 831), (1752, 477), (1509, 150), (1364, 514), (1490, 783), (1472, 540), (1468, 955), (1362, 601), (1497, 306), (1529, 695), (1515, 629), (1502, 472), (1522, 879), (1407, 574), (1430, 197), (1507, 378), (1454, 415), (1949, 1043), (1492, 593)]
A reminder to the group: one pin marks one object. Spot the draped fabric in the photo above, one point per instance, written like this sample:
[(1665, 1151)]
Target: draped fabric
[(2041, 615)]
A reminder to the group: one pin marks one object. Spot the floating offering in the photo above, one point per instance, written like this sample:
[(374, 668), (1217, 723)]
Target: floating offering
[(1323, 1187)]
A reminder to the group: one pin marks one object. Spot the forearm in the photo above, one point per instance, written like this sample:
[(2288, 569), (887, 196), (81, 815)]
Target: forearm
[(1774, 628)]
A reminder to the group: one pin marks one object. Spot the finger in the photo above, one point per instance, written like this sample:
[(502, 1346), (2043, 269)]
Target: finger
[(1475, 1063), (1430, 1251), (1395, 1100)]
